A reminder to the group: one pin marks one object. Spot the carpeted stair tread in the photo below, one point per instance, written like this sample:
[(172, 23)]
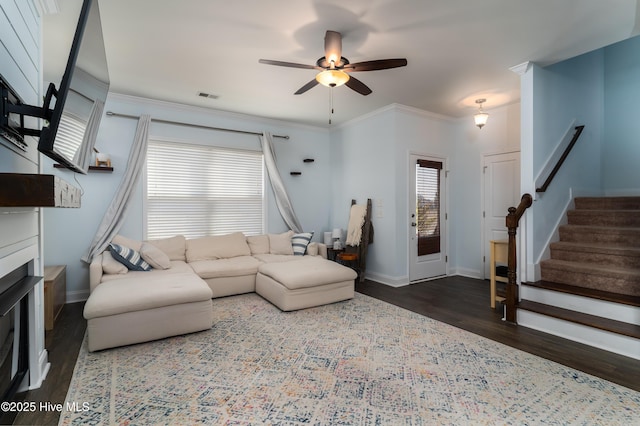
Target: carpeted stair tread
[(606, 324), (620, 218), (586, 292), (602, 254), (627, 236), (601, 277), (599, 203), (596, 269)]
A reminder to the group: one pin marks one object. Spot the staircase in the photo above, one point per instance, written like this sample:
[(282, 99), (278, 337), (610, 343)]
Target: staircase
[(590, 287)]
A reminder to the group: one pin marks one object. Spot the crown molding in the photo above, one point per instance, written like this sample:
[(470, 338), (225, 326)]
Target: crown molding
[(522, 68), (155, 103), (398, 108)]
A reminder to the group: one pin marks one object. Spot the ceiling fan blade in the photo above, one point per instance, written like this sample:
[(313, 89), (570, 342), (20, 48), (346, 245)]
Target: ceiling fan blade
[(333, 47), (358, 86), (306, 87), (380, 64), (288, 64)]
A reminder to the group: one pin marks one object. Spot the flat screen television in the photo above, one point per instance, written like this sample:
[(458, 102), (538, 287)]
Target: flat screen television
[(67, 111)]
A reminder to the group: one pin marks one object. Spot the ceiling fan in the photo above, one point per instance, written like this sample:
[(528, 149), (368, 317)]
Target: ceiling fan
[(335, 69)]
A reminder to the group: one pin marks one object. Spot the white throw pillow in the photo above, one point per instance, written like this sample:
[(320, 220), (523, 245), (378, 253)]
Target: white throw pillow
[(154, 256), (174, 247), (127, 242), (281, 243), (312, 249)]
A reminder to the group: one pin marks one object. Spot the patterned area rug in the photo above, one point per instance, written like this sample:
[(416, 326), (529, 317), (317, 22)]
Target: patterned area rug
[(360, 362)]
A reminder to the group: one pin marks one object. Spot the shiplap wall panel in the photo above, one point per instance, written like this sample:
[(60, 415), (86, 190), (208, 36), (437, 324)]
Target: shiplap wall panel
[(20, 14), (20, 66), (19, 57)]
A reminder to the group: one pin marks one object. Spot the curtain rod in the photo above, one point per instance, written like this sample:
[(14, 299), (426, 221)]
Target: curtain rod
[(200, 126)]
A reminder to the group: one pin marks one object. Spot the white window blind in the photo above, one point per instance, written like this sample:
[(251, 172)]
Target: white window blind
[(69, 135), (196, 190)]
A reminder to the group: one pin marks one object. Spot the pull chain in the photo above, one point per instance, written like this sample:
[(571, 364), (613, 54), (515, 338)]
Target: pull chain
[(330, 104)]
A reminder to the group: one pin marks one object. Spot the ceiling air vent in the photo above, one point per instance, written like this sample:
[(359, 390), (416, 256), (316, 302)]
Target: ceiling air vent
[(207, 95)]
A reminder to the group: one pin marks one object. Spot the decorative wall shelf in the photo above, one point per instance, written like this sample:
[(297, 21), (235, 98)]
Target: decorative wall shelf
[(35, 190), (91, 168)]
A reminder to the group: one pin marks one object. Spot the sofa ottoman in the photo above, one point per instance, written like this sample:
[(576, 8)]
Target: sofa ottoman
[(305, 283), (135, 310)]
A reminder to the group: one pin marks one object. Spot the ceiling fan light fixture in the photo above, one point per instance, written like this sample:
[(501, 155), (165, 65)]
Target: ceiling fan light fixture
[(481, 117), (332, 78)]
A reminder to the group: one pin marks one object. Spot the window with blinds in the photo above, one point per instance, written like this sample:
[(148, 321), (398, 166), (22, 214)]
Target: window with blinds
[(428, 206), (196, 191), (69, 135)]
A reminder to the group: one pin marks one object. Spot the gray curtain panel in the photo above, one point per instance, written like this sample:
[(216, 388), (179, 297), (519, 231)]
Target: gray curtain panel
[(115, 214), (282, 198), (83, 155)]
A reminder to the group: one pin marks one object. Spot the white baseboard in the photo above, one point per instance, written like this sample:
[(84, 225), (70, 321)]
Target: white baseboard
[(466, 272), (43, 367), (387, 280)]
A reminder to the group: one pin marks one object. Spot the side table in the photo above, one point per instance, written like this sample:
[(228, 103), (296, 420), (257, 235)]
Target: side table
[(55, 293), (332, 254)]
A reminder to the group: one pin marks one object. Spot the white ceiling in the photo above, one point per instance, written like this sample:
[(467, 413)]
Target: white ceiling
[(457, 50)]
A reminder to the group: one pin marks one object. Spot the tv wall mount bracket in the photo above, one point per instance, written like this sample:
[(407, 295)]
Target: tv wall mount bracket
[(15, 130)]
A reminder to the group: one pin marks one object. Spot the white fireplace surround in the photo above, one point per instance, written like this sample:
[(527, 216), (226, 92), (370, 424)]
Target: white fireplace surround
[(38, 356)]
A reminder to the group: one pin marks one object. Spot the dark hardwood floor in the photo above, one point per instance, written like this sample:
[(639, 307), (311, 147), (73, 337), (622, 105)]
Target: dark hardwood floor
[(459, 301), (63, 344)]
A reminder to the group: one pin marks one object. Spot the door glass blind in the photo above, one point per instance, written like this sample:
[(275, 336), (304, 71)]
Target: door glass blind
[(196, 191), (428, 206)]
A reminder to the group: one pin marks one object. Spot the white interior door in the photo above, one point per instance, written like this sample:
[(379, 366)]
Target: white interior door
[(427, 221), (501, 187)]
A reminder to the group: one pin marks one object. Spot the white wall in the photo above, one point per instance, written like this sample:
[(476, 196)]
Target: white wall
[(68, 233)]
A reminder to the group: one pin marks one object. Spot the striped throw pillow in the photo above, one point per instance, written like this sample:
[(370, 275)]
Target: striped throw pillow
[(129, 258), (300, 243)]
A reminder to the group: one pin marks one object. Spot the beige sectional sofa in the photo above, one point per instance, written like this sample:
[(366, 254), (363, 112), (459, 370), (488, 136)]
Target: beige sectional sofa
[(129, 306)]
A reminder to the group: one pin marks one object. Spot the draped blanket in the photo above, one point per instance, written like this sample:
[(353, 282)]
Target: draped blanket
[(356, 220)]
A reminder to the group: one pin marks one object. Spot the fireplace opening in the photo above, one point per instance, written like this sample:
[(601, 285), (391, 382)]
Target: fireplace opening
[(14, 332)]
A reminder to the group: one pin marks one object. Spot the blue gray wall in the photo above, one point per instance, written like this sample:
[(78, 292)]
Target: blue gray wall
[(600, 90), (68, 232), (621, 142)]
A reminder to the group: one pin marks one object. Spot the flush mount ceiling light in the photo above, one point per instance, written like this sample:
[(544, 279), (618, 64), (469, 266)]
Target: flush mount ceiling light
[(332, 78), (480, 117)]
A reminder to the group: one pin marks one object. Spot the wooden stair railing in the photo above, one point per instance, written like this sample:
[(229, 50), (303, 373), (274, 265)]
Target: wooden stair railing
[(513, 220), (563, 157)]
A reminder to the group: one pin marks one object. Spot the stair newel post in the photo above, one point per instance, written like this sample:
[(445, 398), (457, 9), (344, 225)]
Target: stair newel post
[(512, 288), (512, 221)]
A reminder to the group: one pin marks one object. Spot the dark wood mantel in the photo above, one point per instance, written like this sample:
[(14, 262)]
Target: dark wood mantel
[(36, 190)]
